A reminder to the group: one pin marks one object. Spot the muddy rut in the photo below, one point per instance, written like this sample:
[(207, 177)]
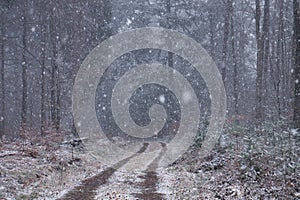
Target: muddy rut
[(88, 188), (149, 185)]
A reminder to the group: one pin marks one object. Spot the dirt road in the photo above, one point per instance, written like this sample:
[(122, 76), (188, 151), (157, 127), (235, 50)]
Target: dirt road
[(88, 188)]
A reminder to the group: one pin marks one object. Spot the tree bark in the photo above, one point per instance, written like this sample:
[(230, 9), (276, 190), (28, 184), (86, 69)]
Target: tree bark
[(24, 67), (2, 109), (296, 4), (262, 54), (212, 33), (225, 39), (169, 24), (266, 53), (258, 102), (280, 54), (235, 63), (55, 87), (243, 67), (43, 78)]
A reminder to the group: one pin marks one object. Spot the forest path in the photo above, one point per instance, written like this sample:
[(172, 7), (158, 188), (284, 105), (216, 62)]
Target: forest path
[(149, 185), (88, 188)]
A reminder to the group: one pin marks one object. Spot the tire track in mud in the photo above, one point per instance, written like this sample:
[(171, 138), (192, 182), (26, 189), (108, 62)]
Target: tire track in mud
[(88, 188), (149, 185)]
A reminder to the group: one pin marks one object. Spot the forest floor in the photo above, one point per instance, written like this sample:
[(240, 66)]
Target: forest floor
[(48, 168)]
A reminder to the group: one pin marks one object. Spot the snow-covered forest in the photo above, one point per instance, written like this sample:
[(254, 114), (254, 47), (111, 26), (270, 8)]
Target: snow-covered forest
[(255, 44)]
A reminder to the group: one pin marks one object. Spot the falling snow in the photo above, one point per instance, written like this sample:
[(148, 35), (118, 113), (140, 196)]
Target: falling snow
[(162, 99), (44, 46)]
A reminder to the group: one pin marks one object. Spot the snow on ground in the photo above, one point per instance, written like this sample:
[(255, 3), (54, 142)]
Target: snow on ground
[(178, 183), (47, 170), (121, 185), (39, 172)]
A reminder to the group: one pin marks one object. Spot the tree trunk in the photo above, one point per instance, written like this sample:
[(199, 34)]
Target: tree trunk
[(258, 102), (243, 69), (43, 81), (24, 67), (296, 4), (55, 90), (280, 54), (58, 102), (2, 106), (262, 47), (266, 54), (170, 62), (235, 64), (225, 39), (168, 8), (275, 66), (212, 33)]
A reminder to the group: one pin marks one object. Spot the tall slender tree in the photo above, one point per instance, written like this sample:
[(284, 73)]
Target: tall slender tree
[(280, 53), (235, 62), (169, 26), (55, 83), (228, 6), (43, 18), (24, 65), (262, 42), (2, 68), (259, 64), (296, 4)]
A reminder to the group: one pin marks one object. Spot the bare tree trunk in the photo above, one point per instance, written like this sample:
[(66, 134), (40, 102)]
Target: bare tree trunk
[(169, 58), (275, 67), (2, 109), (243, 75), (296, 5), (280, 54), (258, 103), (261, 40), (55, 90), (58, 102), (170, 55), (235, 64), (225, 39), (266, 53), (53, 76), (211, 33), (43, 81), (24, 67)]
